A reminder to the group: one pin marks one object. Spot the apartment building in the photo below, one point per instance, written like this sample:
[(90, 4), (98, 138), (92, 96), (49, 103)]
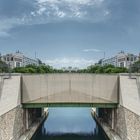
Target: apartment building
[(18, 59), (122, 59)]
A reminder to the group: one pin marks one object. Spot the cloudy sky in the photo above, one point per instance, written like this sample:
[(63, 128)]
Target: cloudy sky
[(70, 32)]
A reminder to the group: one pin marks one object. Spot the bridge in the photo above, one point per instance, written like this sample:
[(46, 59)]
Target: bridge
[(86, 90), (23, 97)]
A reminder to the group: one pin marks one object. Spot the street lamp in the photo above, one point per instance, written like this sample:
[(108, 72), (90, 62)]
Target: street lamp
[(130, 70)]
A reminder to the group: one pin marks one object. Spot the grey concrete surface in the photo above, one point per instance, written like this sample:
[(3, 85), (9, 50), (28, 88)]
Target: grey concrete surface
[(70, 88), (12, 124), (127, 124), (109, 132), (10, 94), (129, 94)]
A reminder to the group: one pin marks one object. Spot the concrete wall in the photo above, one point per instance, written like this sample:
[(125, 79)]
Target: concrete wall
[(129, 94), (12, 124), (127, 124), (10, 94), (128, 113), (19, 123), (11, 113), (125, 120), (70, 87), (86, 88)]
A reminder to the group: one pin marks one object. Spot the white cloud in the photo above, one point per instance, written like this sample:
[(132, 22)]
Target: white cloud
[(61, 14), (47, 11), (70, 8), (74, 62), (92, 50), (82, 2), (41, 10)]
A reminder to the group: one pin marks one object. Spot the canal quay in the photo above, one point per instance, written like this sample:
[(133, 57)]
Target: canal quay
[(69, 106)]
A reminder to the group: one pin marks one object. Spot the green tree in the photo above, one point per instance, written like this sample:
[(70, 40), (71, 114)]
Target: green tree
[(135, 67), (4, 67)]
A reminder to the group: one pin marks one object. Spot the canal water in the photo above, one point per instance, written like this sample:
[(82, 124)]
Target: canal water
[(70, 124)]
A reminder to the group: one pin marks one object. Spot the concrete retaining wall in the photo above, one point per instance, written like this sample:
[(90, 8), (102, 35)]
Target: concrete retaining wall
[(11, 114), (10, 96), (127, 124), (128, 114), (12, 124), (129, 94)]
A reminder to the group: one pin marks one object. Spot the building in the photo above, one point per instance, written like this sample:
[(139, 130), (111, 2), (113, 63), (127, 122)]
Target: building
[(29, 61), (122, 59), (18, 60), (70, 69), (110, 61), (126, 60)]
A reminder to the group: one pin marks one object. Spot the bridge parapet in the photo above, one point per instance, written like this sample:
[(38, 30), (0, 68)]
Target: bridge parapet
[(70, 88)]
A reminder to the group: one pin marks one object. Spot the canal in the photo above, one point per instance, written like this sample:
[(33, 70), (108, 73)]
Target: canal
[(70, 124)]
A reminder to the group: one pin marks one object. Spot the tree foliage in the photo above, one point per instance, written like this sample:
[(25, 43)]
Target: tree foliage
[(103, 69), (34, 69), (3, 67), (48, 69), (136, 67)]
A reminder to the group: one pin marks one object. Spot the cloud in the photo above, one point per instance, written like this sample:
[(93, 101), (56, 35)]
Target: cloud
[(90, 10), (7, 24), (74, 62), (82, 2), (48, 11), (92, 50)]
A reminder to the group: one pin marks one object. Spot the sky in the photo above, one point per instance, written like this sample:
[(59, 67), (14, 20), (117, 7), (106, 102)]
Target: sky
[(70, 32)]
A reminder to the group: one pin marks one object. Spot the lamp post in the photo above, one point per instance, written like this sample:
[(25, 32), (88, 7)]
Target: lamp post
[(9, 70), (130, 70)]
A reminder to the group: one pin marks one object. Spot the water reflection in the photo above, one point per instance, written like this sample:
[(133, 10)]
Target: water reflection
[(69, 123)]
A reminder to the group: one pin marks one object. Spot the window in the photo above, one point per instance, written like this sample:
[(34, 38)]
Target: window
[(122, 64), (17, 64)]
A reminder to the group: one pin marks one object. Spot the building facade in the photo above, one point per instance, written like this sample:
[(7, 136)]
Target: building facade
[(110, 61), (122, 59), (126, 60), (18, 60)]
